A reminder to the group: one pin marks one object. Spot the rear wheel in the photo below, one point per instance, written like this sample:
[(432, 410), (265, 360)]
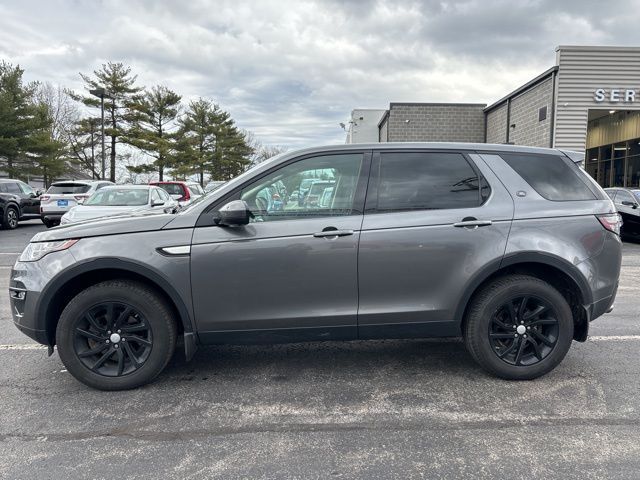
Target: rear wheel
[(116, 335), (519, 327), (10, 218)]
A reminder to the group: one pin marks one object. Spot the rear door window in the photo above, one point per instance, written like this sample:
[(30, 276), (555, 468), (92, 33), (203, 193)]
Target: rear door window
[(428, 181), (552, 176), (13, 187)]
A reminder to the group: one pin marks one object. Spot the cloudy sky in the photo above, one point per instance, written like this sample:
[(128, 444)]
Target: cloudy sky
[(290, 71)]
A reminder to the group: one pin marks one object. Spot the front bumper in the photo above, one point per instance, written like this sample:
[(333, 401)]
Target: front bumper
[(27, 281)]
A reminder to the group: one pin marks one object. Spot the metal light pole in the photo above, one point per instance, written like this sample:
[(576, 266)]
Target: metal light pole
[(101, 93)]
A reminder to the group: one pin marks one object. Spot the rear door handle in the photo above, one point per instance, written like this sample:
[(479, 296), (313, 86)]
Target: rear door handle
[(472, 224), (333, 233)]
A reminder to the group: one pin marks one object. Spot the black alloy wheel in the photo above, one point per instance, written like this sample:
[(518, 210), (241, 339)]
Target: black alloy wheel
[(116, 335), (524, 330), (518, 327), (113, 339)]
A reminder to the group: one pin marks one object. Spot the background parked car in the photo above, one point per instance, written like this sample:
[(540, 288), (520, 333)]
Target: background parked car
[(315, 192), (213, 185), (63, 196), (183, 192), (120, 200), (18, 201), (627, 202)]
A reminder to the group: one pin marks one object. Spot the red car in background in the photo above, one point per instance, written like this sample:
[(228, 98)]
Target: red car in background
[(183, 192)]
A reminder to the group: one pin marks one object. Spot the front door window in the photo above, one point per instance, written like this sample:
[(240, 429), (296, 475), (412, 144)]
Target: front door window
[(321, 186)]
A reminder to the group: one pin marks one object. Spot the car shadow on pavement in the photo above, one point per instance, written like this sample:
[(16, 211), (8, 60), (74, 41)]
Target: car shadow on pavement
[(288, 361)]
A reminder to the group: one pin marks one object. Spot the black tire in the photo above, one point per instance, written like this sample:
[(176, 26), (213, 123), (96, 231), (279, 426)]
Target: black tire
[(497, 345), (138, 314), (47, 223), (10, 218)]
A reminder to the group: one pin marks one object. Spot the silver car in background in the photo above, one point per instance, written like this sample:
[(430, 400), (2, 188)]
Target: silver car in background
[(122, 200)]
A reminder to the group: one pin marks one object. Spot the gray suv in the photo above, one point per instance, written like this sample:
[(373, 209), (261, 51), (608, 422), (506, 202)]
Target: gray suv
[(515, 249)]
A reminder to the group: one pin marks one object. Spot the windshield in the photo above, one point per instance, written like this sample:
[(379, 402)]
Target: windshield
[(119, 197), (69, 188)]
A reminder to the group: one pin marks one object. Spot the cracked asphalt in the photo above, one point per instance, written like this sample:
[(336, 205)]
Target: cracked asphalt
[(377, 409)]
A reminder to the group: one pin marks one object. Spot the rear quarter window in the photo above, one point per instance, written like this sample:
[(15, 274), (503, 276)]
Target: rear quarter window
[(553, 177)]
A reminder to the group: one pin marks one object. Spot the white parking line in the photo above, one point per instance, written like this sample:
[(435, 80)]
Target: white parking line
[(10, 253), (26, 346), (613, 338)]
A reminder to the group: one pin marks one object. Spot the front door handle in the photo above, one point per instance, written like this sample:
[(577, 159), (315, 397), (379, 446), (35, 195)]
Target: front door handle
[(333, 233), (473, 224)]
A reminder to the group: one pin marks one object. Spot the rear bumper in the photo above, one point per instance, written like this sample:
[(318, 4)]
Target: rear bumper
[(602, 306), (52, 216), (603, 272)]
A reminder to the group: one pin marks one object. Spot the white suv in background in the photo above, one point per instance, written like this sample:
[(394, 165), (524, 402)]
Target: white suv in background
[(62, 196)]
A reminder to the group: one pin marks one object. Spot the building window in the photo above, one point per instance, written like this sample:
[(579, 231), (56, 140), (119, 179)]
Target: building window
[(542, 114)]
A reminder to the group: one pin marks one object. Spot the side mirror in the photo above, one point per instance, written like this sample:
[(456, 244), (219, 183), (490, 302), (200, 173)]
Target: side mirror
[(234, 214), (33, 195)]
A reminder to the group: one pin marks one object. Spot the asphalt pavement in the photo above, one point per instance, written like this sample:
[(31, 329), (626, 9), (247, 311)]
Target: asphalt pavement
[(376, 409)]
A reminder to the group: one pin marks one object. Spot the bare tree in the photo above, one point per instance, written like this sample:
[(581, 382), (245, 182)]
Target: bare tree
[(128, 171), (261, 152)]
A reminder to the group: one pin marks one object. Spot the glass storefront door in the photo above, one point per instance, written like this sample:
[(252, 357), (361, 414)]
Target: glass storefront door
[(619, 158), (633, 165)]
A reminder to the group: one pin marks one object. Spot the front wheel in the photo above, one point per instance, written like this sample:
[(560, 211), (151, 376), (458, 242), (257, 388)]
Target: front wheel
[(11, 216), (116, 335), (518, 327)]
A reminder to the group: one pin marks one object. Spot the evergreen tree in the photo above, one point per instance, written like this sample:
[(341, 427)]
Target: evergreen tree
[(209, 142), (153, 118), (118, 81), (26, 143)]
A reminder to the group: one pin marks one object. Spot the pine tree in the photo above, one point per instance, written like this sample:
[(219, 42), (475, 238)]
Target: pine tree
[(27, 146), (153, 121), (118, 81), (210, 143)]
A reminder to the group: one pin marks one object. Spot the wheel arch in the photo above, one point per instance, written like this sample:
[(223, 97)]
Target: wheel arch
[(561, 274), (69, 283), (10, 204)]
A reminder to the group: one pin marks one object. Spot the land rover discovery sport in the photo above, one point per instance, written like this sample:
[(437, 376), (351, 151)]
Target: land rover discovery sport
[(515, 249)]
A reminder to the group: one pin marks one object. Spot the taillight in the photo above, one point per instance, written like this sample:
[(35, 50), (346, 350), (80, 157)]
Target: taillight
[(80, 198), (611, 221), (44, 198)]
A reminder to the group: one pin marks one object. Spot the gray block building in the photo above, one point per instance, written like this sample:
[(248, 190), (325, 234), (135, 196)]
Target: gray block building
[(588, 101)]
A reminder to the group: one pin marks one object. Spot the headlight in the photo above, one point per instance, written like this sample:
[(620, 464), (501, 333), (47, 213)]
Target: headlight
[(35, 251)]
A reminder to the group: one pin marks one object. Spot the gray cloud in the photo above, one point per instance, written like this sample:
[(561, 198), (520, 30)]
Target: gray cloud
[(290, 71)]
